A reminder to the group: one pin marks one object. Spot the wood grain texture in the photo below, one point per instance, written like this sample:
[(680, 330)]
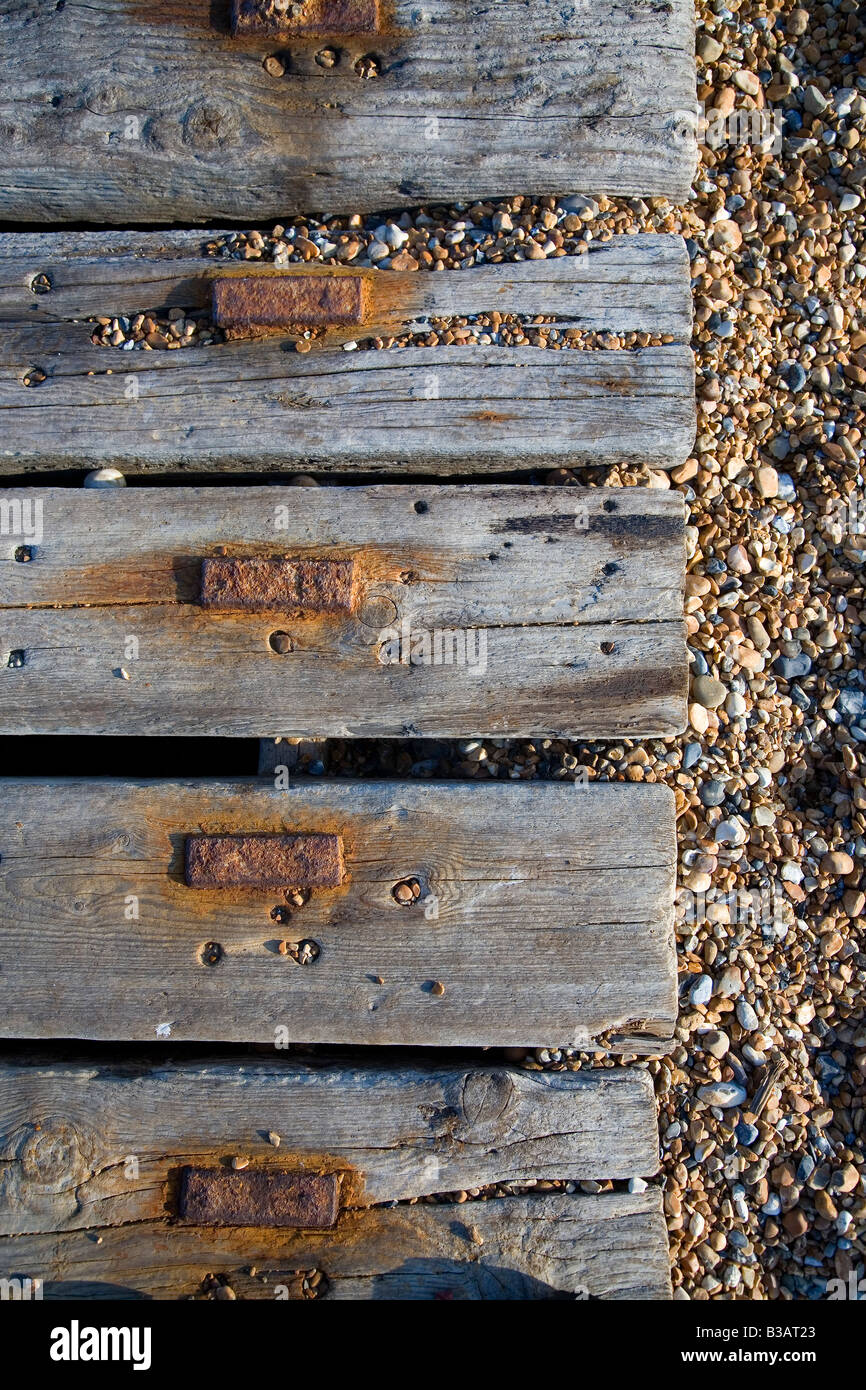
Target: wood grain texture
[(245, 405), (124, 111), (111, 1141), (570, 599), (629, 284), (545, 916), (611, 1246)]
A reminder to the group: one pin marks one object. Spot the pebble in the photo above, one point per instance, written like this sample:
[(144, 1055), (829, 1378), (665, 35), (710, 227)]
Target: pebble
[(723, 1094), (105, 477), (708, 692), (746, 1016), (790, 667), (701, 991)]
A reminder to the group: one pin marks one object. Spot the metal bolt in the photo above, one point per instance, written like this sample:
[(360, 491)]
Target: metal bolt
[(368, 66), (281, 643), (23, 554), (211, 953), (306, 952), (41, 283), (35, 377), (17, 658)]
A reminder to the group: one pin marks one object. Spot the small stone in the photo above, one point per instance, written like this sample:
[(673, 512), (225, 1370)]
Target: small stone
[(814, 100), (712, 793), (738, 560), (716, 1043), (727, 235), (730, 983), (825, 1206), (709, 692), (795, 1222), (748, 82), (698, 881), (709, 49), (239, 1162), (798, 22), (105, 477), (831, 944), (767, 480), (437, 988), (746, 1016), (691, 755), (730, 832), (698, 718), (723, 1094), (273, 1139), (701, 991), (790, 667), (837, 863)]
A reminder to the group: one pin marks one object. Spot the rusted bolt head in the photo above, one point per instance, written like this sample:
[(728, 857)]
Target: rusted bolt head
[(281, 643), (41, 283), (34, 376), (368, 66), (17, 658), (211, 953), (23, 554), (406, 892), (281, 915), (608, 647)]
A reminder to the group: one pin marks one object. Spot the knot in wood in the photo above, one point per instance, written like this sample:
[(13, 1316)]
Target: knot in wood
[(55, 1155), (488, 1102)]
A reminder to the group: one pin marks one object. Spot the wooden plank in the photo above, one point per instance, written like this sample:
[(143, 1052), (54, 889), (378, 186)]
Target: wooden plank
[(629, 284), (544, 915), (445, 409), (112, 1139), (611, 1246), (568, 603), (128, 111)]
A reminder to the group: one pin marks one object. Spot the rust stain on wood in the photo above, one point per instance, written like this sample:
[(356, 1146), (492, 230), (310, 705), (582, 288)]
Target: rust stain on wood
[(276, 17), (259, 1197), (253, 305), (312, 860), (296, 588)]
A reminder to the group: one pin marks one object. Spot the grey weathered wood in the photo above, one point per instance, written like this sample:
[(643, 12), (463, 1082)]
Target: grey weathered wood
[(112, 1140), (629, 284), (546, 913), (125, 111), (244, 405), (612, 1246), (577, 594)]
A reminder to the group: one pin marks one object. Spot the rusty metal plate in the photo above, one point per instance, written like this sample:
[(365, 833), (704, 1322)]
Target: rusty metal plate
[(258, 1197), (305, 16), (312, 860), (294, 588), (252, 305)]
